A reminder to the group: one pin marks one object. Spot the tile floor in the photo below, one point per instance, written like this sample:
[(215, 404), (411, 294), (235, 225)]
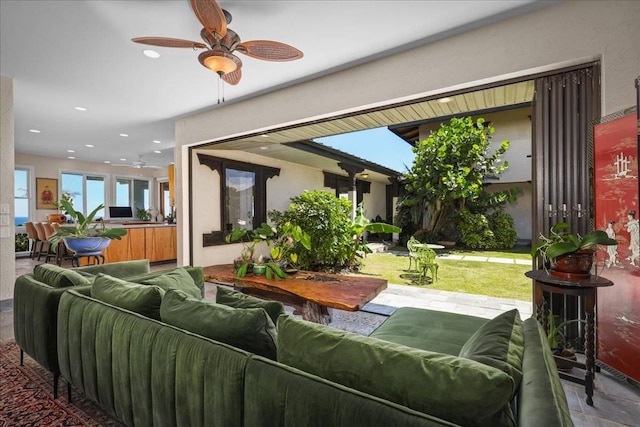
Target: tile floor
[(616, 401)]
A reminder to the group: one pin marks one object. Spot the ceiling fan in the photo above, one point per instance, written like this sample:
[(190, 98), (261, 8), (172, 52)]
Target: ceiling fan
[(138, 164), (221, 42)]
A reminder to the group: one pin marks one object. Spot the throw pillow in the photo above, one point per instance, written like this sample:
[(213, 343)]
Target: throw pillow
[(235, 299), (498, 343), (58, 277), (142, 299), (250, 329), (176, 279), (453, 388)]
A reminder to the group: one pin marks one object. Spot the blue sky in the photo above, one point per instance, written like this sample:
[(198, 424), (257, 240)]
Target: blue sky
[(378, 145)]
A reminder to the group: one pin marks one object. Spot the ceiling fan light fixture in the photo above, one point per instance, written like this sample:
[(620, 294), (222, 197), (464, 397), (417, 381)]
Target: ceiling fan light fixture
[(217, 61)]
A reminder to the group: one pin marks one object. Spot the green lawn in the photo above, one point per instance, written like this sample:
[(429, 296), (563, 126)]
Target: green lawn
[(473, 277)]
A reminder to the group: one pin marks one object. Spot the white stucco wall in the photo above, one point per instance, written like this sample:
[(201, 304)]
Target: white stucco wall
[(7, 164), (293, 180), (375, 201), (567, 33)]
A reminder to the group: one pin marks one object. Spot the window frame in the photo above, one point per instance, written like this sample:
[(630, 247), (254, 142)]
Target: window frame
[(262, 174), (31, 185), (105, 179), (132, 179)]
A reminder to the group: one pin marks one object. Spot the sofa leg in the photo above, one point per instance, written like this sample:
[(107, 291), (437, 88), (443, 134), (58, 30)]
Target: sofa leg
[(68, 392), (21, 357), (56, 377)]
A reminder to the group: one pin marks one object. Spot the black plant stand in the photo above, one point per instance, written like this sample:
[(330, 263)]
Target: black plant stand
[(586, 288)]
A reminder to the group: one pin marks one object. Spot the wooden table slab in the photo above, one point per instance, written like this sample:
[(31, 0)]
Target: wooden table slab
[(310, 292)]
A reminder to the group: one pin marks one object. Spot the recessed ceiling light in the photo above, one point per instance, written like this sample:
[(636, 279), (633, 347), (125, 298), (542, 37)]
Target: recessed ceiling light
[(34, 131), (80, 108), (71, 157), (71, 151), (151, 53), (107, 161), (123, 160), (155, 141), (157, 151), (444, 100), (264, 135), (124, 135), (264, 147), (89, 145)]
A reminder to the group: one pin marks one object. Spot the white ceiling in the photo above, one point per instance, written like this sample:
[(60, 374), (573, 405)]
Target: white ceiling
[(63, 54)]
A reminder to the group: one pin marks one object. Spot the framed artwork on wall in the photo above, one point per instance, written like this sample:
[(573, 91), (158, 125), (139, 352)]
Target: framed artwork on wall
[(46, 193)]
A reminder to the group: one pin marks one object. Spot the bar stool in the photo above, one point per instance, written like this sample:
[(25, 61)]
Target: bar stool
[(49, 229), (34, 242), (43, 239)]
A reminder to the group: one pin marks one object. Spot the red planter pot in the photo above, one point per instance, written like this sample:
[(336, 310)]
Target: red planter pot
[(576, 265)]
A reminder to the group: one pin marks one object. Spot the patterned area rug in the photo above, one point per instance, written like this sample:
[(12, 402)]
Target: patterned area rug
[(26, 396)]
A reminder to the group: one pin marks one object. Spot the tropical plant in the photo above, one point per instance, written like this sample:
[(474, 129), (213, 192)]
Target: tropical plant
[(449, 172), (143, 214), (83, 226), (502, 226), (359, 226), (283, 247), (249, 239), (475, 232), (560, 242), (327, 220), (66, 196), (555, 335)]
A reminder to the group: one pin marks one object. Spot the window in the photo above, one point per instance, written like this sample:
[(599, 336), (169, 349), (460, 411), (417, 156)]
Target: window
[(132, 192), (239, 199), (243, 195), (87, 191), (22, 190), (165, 202)]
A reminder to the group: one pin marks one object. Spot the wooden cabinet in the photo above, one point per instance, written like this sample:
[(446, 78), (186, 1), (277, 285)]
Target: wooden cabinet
[(161, 244), (153, 243)]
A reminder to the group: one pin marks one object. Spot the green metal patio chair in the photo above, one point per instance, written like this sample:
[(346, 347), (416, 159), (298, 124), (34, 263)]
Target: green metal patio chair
[(427, 263), (413, 252)]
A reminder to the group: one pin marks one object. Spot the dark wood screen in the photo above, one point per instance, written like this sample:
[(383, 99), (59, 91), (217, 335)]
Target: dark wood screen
[(564, 106)]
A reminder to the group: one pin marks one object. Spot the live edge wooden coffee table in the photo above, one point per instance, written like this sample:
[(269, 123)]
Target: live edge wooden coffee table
[(311, 293)]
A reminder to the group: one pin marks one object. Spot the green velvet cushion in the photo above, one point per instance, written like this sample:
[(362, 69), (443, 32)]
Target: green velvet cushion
[(142, 299), (249, 329), (196, 273), (453, 388), (429, 330), (176, 279), (235, 299), (58, 277), (499, 343)]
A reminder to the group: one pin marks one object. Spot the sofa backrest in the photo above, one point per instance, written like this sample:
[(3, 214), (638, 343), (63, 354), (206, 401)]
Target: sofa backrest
[(145, 372), (541, 398), (280, 396), (118, 269)]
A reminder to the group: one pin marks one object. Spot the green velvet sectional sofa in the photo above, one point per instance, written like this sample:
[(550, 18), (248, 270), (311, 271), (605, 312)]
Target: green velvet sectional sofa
[(240, 361), (36, 297)]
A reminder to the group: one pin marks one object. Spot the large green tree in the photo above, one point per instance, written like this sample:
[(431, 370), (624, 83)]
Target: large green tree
[(448, 173)]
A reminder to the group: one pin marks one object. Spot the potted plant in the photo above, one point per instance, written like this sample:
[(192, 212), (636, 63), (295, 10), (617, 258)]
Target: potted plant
[(557, 343), (569, 255), (283, 247), (249, 240), (83, 236), (60, 218)]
